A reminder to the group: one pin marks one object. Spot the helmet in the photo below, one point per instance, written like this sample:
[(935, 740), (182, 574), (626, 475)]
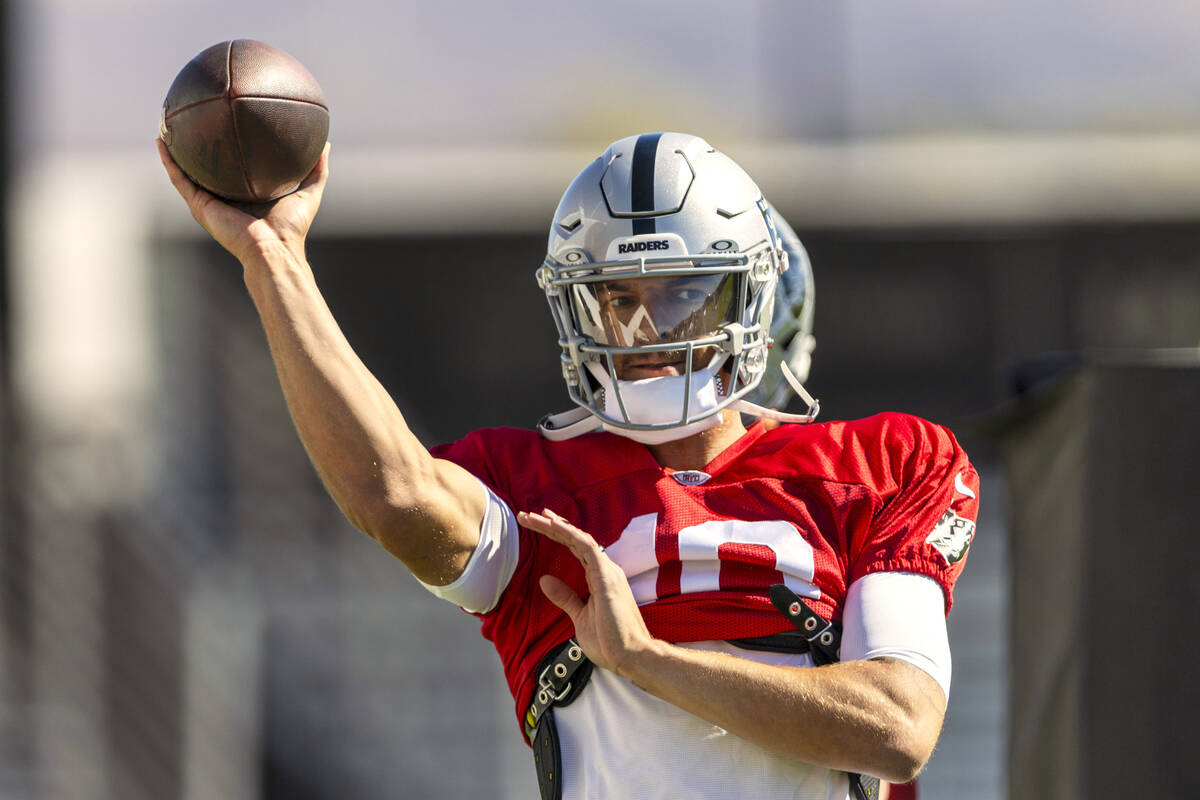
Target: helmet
[(792, 323), (661, 271)]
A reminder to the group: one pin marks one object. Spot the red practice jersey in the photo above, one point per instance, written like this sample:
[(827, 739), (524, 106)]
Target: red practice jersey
[(814, 506)]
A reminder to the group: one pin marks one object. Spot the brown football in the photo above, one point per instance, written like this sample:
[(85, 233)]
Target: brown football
[(245, 120)]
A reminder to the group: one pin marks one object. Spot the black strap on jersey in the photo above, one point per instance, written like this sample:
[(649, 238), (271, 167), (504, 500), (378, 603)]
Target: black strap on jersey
[(561, 677), (564, 672), (824, 637), (794, 642)]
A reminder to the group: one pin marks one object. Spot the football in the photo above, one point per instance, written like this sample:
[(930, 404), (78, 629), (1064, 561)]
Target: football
[(245, 120)]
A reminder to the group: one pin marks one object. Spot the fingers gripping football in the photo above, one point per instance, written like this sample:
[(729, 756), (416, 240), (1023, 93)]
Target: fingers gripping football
[(608, 624), (285, 221)]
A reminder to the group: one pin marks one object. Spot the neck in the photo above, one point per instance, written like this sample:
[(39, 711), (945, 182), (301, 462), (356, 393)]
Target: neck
[(697, 450)]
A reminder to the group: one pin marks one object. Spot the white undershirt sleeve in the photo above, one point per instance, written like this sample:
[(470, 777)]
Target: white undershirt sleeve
[(491, 565), (898, 615)]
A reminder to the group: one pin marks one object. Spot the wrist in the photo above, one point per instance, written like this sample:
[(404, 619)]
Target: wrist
[(256, 250), (267, 256), (641, 664)]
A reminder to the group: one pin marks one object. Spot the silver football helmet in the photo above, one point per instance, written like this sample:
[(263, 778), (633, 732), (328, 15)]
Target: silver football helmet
[(661, 272)]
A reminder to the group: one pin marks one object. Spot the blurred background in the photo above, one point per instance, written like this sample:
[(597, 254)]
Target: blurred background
[(1001, 205)]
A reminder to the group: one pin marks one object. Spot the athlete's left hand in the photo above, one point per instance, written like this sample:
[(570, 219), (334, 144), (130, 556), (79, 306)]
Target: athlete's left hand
[(608, 625)]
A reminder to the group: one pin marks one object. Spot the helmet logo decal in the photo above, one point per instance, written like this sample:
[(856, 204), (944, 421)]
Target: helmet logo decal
[(639, 247), (641, 183), (639, 318)]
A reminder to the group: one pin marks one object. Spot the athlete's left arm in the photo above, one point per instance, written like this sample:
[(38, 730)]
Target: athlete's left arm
[(880, 717)]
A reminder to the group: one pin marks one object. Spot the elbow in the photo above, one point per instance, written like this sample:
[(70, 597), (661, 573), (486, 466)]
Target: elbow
[(376, 481), (388, 517), (382, 501), (373, 514), (378, 510), (411, 529), (910, 717), (901, 766), (364, 501), (906, 747), (421, 511)]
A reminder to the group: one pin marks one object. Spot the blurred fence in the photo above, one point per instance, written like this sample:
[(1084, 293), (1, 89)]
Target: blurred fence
[(222, 633)]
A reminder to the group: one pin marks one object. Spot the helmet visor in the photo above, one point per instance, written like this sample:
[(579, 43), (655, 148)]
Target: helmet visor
[(628, 312)]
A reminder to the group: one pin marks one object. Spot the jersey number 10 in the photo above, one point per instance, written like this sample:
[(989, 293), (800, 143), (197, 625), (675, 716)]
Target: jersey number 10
[(711, 556)]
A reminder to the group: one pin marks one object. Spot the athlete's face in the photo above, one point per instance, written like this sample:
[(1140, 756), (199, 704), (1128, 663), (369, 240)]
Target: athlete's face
[(639, 311)]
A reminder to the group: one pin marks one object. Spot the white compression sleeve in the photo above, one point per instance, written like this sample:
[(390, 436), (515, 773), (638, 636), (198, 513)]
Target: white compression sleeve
[(491, 565), (898, 615)]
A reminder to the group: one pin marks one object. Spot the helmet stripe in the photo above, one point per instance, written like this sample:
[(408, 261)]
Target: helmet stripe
[(641, 182)]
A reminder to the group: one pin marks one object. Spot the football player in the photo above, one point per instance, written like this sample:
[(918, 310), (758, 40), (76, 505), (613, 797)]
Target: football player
[(683, 606)]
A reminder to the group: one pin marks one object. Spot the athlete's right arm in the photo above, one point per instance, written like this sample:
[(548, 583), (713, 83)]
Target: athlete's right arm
[(425, 511)]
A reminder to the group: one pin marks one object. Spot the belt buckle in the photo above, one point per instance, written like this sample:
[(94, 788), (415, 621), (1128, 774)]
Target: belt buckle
[(546, 685)]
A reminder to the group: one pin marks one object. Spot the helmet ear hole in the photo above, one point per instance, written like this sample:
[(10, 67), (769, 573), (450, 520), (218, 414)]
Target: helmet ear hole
[(753, 364)]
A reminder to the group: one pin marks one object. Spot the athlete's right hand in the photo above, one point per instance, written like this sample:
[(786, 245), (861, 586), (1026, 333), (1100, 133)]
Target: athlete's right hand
[(286, 221)]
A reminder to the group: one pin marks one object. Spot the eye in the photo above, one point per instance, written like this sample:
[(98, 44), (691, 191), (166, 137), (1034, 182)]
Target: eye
[(621, 301), (688, 294)]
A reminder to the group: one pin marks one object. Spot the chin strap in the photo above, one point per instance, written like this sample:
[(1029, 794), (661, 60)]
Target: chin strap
[(578, 421), (762, 412), (568, 424), (755, 410)]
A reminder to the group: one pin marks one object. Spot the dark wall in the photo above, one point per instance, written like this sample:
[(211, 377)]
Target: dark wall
[(1102, 471), (456, 329)]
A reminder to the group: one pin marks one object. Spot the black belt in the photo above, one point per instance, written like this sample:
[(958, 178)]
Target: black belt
[(564, 672), (561, 676)]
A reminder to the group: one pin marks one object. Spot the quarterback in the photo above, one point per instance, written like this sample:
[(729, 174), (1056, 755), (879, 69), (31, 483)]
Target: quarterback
[(684, 606)]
